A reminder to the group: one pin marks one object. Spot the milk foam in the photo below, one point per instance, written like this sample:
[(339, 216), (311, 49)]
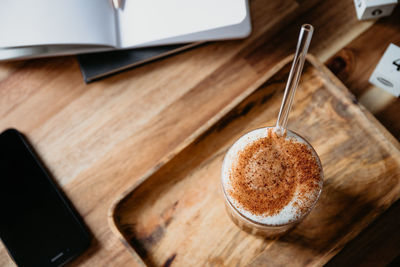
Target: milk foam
[(290, 212)]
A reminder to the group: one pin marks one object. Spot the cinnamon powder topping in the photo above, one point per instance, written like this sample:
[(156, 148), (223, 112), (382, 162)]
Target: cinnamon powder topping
[(271, 171)]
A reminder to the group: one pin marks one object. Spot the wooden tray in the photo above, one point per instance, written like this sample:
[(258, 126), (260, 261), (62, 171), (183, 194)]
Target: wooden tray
[(176, 215)]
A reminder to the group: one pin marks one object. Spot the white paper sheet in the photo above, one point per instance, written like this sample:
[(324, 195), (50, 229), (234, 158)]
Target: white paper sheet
[(148, 21)]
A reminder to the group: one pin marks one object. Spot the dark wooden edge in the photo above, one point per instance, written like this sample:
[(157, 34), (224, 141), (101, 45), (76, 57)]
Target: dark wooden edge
[(325, 72)]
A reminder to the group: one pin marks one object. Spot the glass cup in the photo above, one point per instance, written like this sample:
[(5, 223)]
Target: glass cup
[(238, 217)]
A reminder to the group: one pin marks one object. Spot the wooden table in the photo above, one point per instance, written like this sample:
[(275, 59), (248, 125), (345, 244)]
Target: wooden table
[(98, 139)]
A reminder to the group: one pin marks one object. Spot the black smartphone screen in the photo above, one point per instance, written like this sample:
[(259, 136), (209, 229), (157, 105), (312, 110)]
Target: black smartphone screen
[(37, 224)]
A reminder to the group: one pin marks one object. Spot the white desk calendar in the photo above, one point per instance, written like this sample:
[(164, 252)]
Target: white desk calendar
[(372, 9), (387, 73)]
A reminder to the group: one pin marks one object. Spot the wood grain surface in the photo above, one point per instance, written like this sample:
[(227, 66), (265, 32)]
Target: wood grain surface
[(176, 214), (98, 139), (378, 245), (355, 62)]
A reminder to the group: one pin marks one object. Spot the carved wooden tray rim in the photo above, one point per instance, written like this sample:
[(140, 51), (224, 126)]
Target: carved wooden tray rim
[(324, 71)]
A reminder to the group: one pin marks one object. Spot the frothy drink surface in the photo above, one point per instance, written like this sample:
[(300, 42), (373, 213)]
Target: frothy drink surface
[(272, 179)]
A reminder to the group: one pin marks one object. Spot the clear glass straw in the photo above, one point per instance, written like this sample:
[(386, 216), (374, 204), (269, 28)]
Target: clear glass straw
[(294, 76)]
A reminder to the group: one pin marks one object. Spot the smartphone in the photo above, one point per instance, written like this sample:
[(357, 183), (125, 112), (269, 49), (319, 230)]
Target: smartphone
[(38, 225)]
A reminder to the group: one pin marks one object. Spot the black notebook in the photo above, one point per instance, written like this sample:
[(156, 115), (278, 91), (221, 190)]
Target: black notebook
[(98, 65)]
